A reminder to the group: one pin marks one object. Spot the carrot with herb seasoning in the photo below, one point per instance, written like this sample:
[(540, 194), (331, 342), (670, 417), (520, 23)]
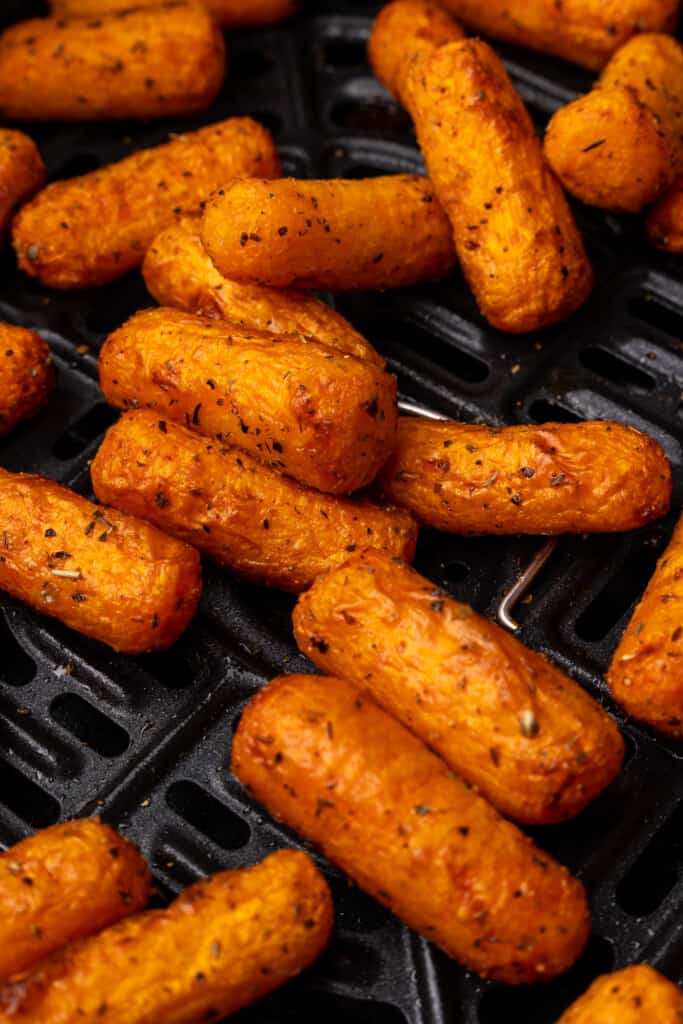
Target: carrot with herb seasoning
[(133, 63), (179, 272), (385, 232), (63, 883), (636, 995), (243, 515), (645, 673), (403, 32), (22, 173), (519, 247), (107, 575), (304, 409), (502, 716), (322, 757), (27, 375), (621, 145), (586, 32), (224, 943), (592, 477), (230, 13), (90, 230)]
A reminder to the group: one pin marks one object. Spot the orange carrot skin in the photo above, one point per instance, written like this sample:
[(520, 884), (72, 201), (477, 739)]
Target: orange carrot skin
[(644, 675), (224, 943), (229, 13), (632, 996), (515, 235), (63, 883), (322, 757), (133, 63), (502, 716), (403, 32), (591, 477), (179, 272), (337, 234), (22, 173), (620, 145), (664, 222), (107, 575), (248, 518), (306, 410), (586, 32), (27, 375), (89, 230)]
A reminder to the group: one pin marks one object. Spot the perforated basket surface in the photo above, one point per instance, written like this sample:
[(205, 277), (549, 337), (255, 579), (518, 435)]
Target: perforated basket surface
[(145, 741)]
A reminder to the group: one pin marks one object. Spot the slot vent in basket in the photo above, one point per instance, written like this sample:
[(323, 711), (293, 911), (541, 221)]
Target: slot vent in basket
[(615, 369), (89, 725), (170, 668), (614, 600), (455, 572), (652, 310), (447, 356), (656, 872), (544, 411), (208, 815), (26, 798), (78, 164), (353, 116), (16, 667), (249, 64), (345, 53)]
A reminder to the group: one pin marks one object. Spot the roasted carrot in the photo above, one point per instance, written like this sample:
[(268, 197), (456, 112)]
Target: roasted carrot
[(179, 272), (325, 759), (515, 235), (230, 13), (386, 232), (665, 220), (27, 375), (592, 477), (92, 229), (502, 716), (22, 172), (644, 675), (63, 883), (636, 995), (621, 145), (105, 574), (223, 944), (305, 409), (245, 516), (132, 63), (403, 32), (586, 32)]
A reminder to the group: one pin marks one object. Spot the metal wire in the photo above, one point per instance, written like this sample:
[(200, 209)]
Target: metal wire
[(521, 587), (413, 409)]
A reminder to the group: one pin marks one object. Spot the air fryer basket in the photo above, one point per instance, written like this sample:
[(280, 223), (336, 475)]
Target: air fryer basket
[(145, 741)]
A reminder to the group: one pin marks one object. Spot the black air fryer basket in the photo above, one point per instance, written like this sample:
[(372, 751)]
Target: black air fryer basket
[(145, 741)]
